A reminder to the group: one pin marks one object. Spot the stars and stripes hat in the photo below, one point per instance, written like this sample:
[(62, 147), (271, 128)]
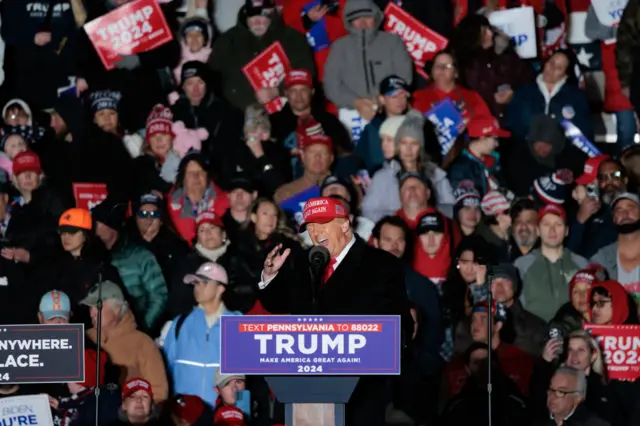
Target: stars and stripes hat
[(553, 188), (496, 202)]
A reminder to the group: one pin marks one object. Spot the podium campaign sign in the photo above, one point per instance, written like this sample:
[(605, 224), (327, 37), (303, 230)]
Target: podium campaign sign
[(89, 195), (421, 41), (27, 410), (268, 69), (579, 140), (310, 345), (135, 27), (41, 353), (620, 346), (448, 122)]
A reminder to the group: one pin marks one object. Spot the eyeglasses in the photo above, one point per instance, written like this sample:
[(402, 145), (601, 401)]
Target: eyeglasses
[(599, 303), (560, 393), (443, 66), (604, 177), (148, 214)]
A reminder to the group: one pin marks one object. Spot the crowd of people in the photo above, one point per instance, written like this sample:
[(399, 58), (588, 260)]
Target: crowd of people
[(164, 193)]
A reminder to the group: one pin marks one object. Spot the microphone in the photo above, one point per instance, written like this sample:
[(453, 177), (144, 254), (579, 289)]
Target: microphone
[(319, 258)]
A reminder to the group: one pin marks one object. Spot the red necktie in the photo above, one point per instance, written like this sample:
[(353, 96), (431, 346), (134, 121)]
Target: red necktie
[(331, 267)]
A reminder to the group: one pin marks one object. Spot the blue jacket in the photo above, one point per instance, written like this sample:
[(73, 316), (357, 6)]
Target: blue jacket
[(195, 355), (566, 102), (468, 167), (369, 146)]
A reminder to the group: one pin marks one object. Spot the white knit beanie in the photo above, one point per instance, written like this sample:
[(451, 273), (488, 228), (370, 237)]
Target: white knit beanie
[(391, 125)]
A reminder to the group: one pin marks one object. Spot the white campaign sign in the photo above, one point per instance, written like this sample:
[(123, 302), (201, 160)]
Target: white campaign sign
[(28, 410), (609, 12), (352, 120), (519, 24)]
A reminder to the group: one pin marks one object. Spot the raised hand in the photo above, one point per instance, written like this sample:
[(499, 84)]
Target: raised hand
[(274, 262)]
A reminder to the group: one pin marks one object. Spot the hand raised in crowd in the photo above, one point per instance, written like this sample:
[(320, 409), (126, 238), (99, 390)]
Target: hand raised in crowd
[(588, 208), (481, 274), (16, 254), (266, 94), (366, 108), (317, 12), (552, 349), (274, 262), (81, 86), (42, 38)]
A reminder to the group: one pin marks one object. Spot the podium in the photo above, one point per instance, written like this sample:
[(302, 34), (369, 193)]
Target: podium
[(313, 400), (312, 363)]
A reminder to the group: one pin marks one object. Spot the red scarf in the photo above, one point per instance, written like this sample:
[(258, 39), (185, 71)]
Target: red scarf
[(437, 267)]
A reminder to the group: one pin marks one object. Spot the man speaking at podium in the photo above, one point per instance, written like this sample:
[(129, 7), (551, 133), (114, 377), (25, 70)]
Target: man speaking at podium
[(345, 277)]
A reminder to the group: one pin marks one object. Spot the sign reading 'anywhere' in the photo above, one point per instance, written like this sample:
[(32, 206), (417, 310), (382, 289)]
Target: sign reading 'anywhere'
[(308, 345), (41, 353)]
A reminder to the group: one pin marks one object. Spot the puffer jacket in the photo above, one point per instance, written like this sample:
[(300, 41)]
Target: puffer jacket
[(194, 354), (357, 63)]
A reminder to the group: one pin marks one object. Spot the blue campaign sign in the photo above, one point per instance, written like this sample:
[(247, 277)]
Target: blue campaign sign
[(579, 140), (41, 353), (293, 206), (310, 345), (317, 36), (448, 121)]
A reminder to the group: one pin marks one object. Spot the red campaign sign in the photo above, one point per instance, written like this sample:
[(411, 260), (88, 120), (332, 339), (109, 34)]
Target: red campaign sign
[(268, 69), (421, 41), (620, 346), (89, 195), (135, 27)]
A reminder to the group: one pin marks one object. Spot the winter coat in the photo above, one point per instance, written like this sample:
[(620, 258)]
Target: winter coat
[(489, 69), (194, 354), (150, 174), (183, 213), (483, 174), (222, 121), (135, 352), (294, 15), (143, 279), (383, 195), (588, 238), (565, 102), (358, 62), (239, 46), (79, 409), (546, 284), (566, 320)]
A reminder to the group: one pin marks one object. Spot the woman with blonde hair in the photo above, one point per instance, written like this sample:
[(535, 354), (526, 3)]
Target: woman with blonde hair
[(581, 351)]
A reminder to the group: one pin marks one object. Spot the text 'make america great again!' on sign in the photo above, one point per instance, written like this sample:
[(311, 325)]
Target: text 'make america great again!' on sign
[(41, 353)]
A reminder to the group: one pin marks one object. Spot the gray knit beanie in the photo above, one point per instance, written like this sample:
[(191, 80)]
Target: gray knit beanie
[(412, 127)]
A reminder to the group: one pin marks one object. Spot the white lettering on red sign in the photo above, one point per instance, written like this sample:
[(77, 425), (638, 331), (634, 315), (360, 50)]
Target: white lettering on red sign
[(127, 29), (275, 73), (417, 44)]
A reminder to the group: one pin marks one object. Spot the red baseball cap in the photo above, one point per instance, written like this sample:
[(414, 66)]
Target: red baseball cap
[(590, 172), (228, 416), (306, 140), (209, 217), (480, 127), (552, 209), (322, 210), (134, 385), (188, 407), (26, 162), (298, 76)]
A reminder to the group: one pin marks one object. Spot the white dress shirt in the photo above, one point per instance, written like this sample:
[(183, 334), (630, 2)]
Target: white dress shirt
[(339, 258)]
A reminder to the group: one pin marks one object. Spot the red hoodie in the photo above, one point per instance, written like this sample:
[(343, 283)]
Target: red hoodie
[(435, 268), (619, 300)]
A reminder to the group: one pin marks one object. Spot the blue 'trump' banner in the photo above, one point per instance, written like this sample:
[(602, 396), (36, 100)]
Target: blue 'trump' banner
[(310, 345), (41, 353), (318, 36), (579, 140), (293, 206), (448, 123)]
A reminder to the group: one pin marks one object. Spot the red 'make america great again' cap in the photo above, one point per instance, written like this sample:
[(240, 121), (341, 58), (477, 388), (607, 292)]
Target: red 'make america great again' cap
[(322, 210)]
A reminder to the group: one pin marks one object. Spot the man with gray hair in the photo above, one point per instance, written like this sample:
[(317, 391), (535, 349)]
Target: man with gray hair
[(128, 348), (565, 396)]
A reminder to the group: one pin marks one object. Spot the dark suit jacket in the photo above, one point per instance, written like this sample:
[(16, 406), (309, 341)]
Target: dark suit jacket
[(368, 281)]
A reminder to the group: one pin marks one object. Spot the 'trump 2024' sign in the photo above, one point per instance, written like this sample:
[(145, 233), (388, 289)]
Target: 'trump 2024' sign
[(308, 345), (620, 346)]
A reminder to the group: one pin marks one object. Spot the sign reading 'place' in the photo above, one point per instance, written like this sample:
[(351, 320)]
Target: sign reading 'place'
[(41, 353)]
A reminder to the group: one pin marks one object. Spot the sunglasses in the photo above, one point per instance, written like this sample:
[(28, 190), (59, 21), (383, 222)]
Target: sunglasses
[(599, 303), (604, 177), (148, 214)]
